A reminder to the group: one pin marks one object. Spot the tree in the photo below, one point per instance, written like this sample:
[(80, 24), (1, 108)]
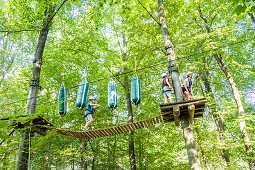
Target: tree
[(187, 130)]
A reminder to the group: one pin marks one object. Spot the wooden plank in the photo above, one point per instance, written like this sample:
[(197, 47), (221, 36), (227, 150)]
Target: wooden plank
[(107, 134), (88, 134), (132, 126), (160, 119), (187, 101), (95, 133), (129, 127), (91, 134), (101, 132), (136, 126), (142, 124), (111, 131), (154, 119), (168, 107), (120, 128), (116, 129), (151, 121), (126, 127), (145, 123), (73, 133)]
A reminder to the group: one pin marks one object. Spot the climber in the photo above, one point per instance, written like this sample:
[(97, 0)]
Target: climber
[(187, 86), (166, 88), (89, 111)]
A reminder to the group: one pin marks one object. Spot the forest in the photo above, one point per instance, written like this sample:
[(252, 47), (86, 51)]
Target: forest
[(49, 44)]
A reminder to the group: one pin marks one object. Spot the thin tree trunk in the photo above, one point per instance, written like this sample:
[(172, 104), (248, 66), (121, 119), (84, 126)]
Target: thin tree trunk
[(194, 161), (83, 149), (129, 107), (23, 156), (239, 104), (216, 116)]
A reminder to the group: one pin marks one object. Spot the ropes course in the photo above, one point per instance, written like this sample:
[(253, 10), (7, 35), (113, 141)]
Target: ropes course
[(173, 112)]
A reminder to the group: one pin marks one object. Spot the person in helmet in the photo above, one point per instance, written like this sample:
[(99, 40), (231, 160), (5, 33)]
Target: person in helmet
[(187, 86), (166, 89), (89, 111)]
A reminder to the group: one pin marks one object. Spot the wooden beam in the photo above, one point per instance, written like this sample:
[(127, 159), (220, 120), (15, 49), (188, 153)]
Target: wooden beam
[(191, 109), (167, 108), (176, 112)]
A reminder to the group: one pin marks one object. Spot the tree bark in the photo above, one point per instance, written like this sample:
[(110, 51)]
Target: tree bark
[(194, 161), (23, 155), (129, 107), (237, 97)]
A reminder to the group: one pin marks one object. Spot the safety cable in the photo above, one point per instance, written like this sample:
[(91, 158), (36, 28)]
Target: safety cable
[(128, 72)]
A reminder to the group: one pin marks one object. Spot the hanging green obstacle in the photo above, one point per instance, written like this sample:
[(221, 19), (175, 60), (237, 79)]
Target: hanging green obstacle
[(62, 100), (112, 95), (82, 95), (136, 95)]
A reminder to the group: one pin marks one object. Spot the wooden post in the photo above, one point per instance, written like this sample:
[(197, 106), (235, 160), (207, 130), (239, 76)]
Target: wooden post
[(191, 109), (176, 112)]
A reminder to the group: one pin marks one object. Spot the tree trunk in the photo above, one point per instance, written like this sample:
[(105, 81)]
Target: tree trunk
[(241, 114), (23, 156), (239, 104), (129, 107), (83, 149), (194, 161), (216, 116)]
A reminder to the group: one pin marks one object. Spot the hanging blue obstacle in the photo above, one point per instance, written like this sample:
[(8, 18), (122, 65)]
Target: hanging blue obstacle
[(112, 95), (136, 95), (62, 100), (82, 95)]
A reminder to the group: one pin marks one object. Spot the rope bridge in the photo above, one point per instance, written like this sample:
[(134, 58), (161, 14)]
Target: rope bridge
[(173, 112)]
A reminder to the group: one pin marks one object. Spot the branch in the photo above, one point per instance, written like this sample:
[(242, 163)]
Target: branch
[(19, 30), (55, 13), (46, 24), (149, 13), (212, 20), (199, 24)]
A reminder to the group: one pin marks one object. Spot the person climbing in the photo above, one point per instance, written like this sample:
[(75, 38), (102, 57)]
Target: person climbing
[(166, 89), (89, 111), (187, 86)]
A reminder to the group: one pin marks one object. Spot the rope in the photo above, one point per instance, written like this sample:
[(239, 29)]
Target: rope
[(146, 67)]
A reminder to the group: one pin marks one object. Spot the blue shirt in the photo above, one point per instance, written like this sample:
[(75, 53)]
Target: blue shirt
[(89, 107)]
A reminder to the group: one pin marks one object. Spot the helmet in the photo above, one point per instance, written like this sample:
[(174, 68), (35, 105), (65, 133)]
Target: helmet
[(189, 73), (164, 75), (91, 98)]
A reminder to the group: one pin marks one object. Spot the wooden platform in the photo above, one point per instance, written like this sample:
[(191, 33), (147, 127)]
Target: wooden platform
[(37, 125), (176, 111)]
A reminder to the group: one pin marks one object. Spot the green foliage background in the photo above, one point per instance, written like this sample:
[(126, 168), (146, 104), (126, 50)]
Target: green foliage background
[(86, 36)]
